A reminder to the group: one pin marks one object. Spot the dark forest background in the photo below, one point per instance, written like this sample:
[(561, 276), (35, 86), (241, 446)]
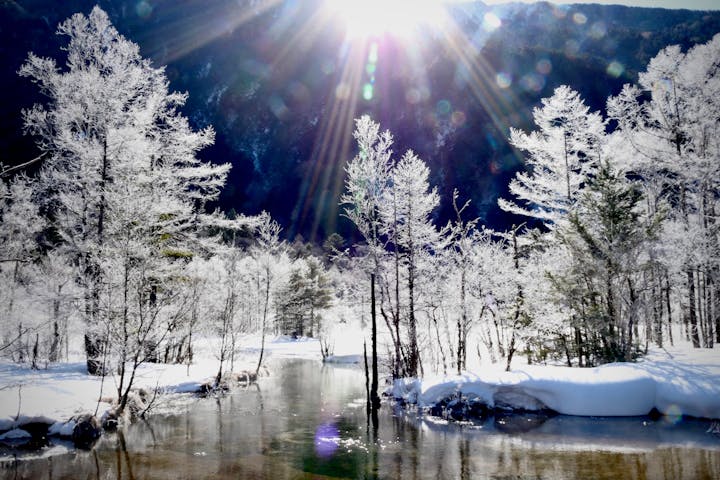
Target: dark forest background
[(268, 87)]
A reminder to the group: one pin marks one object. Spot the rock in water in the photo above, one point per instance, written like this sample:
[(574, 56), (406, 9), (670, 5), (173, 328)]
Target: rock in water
[(245, 377), (87, 430), (508, 422)]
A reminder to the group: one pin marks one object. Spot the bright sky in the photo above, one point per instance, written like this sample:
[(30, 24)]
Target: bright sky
[(689, 4)]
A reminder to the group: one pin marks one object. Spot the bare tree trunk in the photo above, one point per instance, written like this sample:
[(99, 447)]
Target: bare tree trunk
[(35, 352), (414, 354), (701, 307), (396, 314), (462, 325), (367, 379), (568, 357), (692, 318), (443, 358), (710, 312), (716, 309), (93, 342), (669, 307), (657, 308), (511, 351), (374, 398), (264, 321), (629, 349), (55, 345)]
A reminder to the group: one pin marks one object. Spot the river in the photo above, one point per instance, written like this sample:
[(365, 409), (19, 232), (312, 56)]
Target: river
[(308, 421)]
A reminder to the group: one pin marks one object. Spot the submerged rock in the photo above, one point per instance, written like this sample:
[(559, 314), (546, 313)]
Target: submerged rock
[(460, 408), (520, 422), (208, 388), (111, 420), (25, 439), (514, 399), (229, 380), (513, 409), (478, 409)]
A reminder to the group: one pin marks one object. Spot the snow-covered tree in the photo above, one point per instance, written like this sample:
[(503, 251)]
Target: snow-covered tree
[(367, 181), (121, 180), (407, 212), (670, 119), (304, 297), (268, 252), (368, 177), (560, 155), (462, 244), (605, 239), (21, 225)]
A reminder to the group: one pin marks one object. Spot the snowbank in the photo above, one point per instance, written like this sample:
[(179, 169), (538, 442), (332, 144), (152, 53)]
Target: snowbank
[(676, 382), (63, 391)]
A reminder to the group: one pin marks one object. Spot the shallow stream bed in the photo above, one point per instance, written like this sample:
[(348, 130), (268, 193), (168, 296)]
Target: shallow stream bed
[(308, 421)]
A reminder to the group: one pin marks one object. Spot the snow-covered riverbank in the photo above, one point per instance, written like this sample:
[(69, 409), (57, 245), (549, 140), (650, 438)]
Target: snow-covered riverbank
[(677, 381), (65, 390)]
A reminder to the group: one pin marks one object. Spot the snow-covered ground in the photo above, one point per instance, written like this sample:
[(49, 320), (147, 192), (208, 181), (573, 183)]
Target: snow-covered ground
[(677, 381), (66, 390)]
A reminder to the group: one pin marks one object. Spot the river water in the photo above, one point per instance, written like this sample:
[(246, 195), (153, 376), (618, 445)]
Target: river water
[(308, 421)]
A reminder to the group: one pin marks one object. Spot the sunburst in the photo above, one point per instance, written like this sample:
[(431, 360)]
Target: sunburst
[(401, 18)]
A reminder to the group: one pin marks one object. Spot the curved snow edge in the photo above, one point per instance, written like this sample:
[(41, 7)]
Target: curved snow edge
[(616, 390)]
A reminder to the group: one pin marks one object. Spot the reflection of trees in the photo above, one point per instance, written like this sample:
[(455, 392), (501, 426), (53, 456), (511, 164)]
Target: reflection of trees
[(259, 437), (372, 431), (122, 455), (408, 441), (465, 473)]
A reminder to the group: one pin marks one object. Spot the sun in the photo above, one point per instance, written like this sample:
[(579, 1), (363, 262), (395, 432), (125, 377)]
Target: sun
[(400, 18)]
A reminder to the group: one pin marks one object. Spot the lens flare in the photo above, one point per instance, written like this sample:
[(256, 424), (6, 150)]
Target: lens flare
[(491, 22), (673, 414), (327, 438), (615, 69)]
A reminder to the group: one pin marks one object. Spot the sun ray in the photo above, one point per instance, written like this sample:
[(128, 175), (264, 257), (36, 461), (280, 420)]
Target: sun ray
[(332, 144), (498, 103), (399, 18), (300, 43), (189, 33)]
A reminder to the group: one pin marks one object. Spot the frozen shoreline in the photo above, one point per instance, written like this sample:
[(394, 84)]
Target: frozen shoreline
[(681, 381)]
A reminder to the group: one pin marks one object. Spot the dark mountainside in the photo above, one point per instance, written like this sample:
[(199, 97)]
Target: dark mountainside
[(270, 82)]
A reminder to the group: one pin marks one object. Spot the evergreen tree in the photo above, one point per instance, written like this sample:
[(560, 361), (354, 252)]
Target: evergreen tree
[(606, 239), (561, 155)]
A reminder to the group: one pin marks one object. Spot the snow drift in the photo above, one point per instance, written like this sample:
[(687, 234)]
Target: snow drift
[(686, 383)]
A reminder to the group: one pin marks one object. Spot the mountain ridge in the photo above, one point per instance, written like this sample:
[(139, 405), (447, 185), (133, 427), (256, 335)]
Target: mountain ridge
[(270, 92)]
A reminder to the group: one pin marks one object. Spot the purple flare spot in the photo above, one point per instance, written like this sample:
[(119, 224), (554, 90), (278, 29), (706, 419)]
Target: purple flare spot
[(327, 438)]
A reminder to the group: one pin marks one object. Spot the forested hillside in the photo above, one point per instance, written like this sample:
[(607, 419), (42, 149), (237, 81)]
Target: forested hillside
[(234, 58)]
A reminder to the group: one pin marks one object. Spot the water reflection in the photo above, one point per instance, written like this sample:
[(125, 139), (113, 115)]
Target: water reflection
[(309, 421)]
